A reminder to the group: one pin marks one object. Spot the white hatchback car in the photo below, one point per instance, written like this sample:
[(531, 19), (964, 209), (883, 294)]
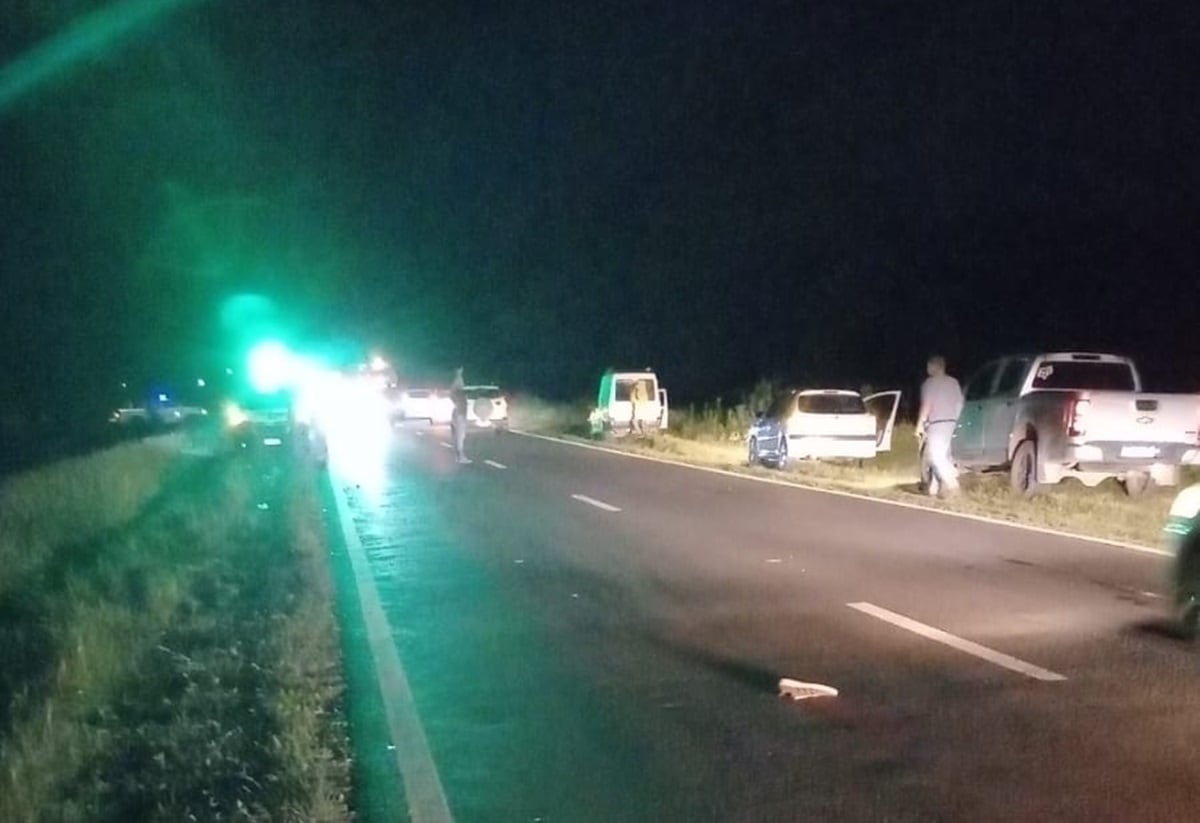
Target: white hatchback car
[(487, 407), (828, 424), (431, 405)]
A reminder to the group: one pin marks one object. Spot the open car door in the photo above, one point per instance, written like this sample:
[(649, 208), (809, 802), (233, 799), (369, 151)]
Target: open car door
[(883, 406)]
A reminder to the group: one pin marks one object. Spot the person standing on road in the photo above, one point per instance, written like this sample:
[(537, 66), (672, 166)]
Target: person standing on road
[(941, 403), (458, 419)]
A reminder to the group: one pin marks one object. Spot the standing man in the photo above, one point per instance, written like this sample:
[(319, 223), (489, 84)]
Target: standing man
[(637, 404), (941, 403), (458, 419)]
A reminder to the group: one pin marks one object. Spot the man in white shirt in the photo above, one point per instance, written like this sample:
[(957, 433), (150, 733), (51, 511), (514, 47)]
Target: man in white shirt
[(941, 403), (458, 419)]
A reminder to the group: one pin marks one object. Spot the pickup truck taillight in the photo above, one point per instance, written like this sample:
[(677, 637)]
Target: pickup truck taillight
[(1077, 413)]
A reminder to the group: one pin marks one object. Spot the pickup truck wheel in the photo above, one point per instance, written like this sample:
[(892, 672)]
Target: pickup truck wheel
[(1137, 483), (1187, 589), (1023, 473), (752, 458)]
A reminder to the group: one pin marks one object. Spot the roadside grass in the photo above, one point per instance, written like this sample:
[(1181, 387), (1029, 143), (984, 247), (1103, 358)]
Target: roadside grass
[(714, 436), (181, 661), (77, 499), (1105, 511), (533, 415)]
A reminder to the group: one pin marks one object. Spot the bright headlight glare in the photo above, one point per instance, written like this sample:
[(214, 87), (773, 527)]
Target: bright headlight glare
[(235, 416), (1187, 503)]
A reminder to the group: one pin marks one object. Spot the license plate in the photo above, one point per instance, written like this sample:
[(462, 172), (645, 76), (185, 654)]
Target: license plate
[(1139, 451), (272, 441)]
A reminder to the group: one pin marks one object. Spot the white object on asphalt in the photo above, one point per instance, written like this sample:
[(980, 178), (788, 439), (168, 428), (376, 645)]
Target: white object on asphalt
[(799, 690)]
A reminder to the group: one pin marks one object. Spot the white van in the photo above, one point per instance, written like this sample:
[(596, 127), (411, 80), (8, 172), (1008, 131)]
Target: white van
[(615, 413)]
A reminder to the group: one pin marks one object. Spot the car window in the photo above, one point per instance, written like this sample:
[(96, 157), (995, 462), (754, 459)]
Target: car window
[(1012, 377), (625, 388), (831, 404), (980, 385), (1083, 374), (474, 392)]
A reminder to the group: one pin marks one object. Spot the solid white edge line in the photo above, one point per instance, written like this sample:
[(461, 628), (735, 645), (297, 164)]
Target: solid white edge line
[(599, 504), (422, 785), (494, 464), (978, 518), (955, 642)]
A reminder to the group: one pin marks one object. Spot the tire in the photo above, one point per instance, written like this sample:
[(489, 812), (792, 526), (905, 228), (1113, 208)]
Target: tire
[(1187, 588), (482, 406), (781, 462), (1023, 472), (1137, 484), (752, 458)]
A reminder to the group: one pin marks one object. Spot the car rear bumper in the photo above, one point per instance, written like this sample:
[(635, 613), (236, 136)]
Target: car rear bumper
[(853, 447), (1128, 455), (268, 436), (496, 423)]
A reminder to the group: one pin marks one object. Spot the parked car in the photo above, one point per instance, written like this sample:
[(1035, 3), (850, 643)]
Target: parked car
[(487, 407), (431, 405), (268, 423), (822, 424), (614, 413), (1183, 531), (1046, 417)]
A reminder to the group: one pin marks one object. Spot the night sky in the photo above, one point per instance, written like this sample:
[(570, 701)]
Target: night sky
[(724, 191)]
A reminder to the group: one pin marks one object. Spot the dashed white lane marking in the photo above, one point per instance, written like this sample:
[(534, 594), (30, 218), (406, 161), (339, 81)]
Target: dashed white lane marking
[(446, 445), (419, 433), (955, 642), (494, 464), (422, 784), (599, 504), (900, 504)]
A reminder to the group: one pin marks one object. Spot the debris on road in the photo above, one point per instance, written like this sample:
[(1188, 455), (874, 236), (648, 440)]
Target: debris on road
[(798, 690)]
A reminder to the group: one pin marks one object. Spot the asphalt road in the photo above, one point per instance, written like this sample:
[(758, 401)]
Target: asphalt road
[(588, 636)]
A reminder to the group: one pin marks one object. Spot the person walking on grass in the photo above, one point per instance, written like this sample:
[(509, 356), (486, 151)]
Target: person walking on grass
[(458, 419), (941, 403)]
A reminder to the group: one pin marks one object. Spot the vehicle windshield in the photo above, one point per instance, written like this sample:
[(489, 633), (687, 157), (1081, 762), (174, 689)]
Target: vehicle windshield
[(474, 392), (625, 389), (1082, 374), (265, 402), (830, 404)]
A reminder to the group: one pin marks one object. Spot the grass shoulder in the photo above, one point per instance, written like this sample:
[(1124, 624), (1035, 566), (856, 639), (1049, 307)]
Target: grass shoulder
[(1105, 512), (178, 655)]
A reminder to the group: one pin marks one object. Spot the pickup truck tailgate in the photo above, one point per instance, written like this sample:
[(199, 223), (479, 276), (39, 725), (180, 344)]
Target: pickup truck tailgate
[(1140, 419)]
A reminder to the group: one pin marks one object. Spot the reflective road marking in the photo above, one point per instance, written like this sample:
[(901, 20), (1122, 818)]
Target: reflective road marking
[(422, 784), (956, 642), (599, 504)]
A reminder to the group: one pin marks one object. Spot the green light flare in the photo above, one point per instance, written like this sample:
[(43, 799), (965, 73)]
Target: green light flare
[(87, 38)]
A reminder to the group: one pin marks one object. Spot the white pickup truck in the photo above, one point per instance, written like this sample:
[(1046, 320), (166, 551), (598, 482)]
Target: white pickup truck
[(1050, 416)]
